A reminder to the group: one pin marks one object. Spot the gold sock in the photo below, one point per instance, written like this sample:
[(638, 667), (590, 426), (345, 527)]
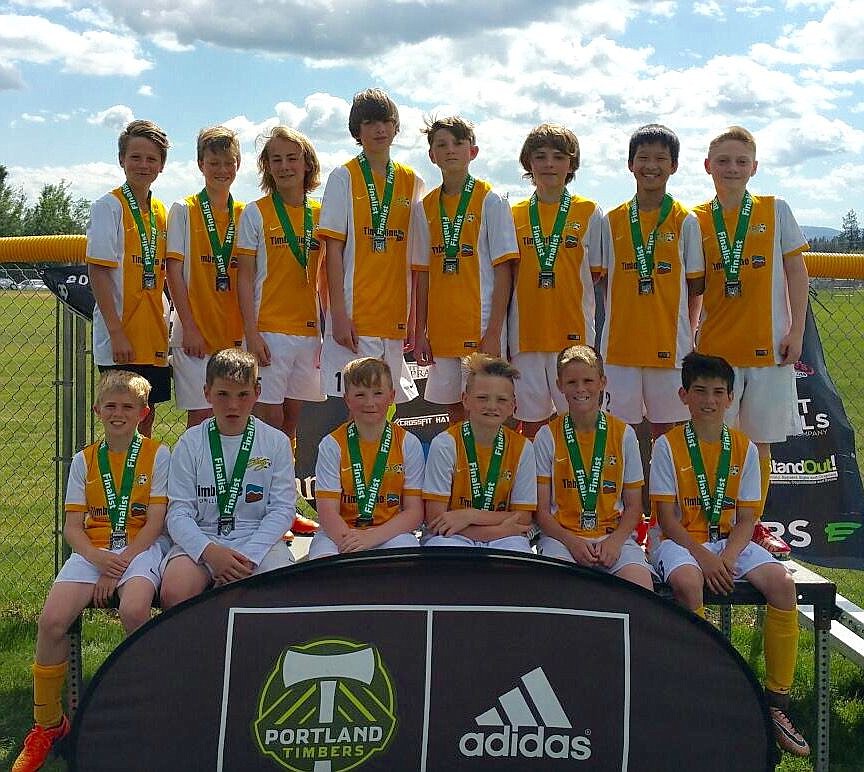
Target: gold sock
[(781, 648), (700, 611), (765, 475), (47, 692)]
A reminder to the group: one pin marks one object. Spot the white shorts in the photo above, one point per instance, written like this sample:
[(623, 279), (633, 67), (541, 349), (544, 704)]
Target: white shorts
[(445, 381), (670, 556), (323, 546), (78, 569), (334, 357), (293, 370), (537, 396), (278, 556), (189, 375), (631, 553), (765, 403), (634, 393), (512, 543)]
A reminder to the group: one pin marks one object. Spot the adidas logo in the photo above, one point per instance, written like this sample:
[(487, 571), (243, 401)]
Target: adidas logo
[(523, 732)]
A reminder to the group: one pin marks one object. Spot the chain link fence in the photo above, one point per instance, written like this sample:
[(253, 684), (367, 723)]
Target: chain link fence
[(36, 376)]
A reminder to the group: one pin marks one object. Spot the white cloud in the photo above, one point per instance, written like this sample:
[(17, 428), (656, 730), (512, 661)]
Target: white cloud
[(837, 37), (30, 118), (10, 77), (94, 17), (115, 117), (145, 90), (753, 9), (793, 142), (710, 9), (37, 40), (41, 5)]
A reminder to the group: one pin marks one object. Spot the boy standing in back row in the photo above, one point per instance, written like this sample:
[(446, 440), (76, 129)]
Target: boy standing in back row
[(465, 242), (755, 301), (365, 221), (202, 271), (126, 264), (553, 302)]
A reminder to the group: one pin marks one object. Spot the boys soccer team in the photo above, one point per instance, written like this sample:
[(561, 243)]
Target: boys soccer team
[(467, 281)]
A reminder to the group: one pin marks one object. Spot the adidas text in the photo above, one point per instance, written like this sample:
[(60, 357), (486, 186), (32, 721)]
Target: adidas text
[(530, 745)]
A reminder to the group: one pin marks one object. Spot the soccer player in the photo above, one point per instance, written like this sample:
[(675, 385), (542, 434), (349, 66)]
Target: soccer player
[(126, 266), (558, 235), (654, 268), (755, 301), (202, 271), (481, 480), (115, 512), (231, 489), (369, 473), (465, 242), (705, 485), (366, 222), (589, 477)]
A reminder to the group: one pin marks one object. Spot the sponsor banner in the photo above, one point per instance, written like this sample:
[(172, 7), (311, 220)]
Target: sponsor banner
[(370, 663), (71, 284), (816, 500)]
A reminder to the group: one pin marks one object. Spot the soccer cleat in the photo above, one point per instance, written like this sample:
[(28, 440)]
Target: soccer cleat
[(788, 737), (288, 537), (765, 537), (304, 518), (37, 746)]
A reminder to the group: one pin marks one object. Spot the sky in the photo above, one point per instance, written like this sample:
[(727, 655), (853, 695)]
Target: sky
[(74, 72)]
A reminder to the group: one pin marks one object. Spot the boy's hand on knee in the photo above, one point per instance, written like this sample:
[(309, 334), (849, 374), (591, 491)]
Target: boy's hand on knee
[(358, 539), (515, 526), (227, 565), (607, 551), (109, 563), (581, 550), (717, 575), (103, 591), (451, 522)]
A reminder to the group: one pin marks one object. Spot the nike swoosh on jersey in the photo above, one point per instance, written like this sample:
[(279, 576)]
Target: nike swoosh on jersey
[(685, 468)]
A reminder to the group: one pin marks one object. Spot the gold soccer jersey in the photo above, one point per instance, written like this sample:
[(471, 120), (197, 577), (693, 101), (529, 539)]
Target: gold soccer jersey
[(403, 474), (376, 284), (285, 292), (113, 242), (216, 314), (673, 479), (85, 492), (653, 329), (448, 478), (460, 302), (550, 319), (622, 468), (747, 330)]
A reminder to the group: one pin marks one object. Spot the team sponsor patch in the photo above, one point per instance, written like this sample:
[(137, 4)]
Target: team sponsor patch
[(392, 499), (664, 267), (571, 242), (138, 508), (254, 493), (259, 463), (141, 479), (467, 250), (609, 486), (758, 261), (728, 503)]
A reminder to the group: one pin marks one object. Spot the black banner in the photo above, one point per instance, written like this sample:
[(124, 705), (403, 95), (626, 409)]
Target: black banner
[(437, 660), (816, 500), (71, 284)]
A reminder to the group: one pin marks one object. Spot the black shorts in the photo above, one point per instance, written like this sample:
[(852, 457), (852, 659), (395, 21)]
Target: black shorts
[(159, 378)]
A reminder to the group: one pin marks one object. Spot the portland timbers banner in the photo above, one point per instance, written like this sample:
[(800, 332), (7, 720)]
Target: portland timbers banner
[(816, 500), (436, 660)]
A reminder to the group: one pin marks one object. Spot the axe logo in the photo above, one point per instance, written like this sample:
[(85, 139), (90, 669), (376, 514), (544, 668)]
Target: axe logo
[(327, 705)]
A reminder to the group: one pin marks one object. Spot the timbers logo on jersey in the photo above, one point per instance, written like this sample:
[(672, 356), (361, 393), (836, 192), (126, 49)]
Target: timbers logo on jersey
[(327, 704)]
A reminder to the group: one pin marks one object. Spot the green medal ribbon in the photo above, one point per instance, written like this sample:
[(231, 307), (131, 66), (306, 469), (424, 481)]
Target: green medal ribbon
[(367, 493), (380, 211), (546, 256), (118, 506), (148, 245), (452, 232), (483, 495), (645, 252), (300, 253), (227, 495), (588, 487), (221, 252), (732, 257), (711, 507)]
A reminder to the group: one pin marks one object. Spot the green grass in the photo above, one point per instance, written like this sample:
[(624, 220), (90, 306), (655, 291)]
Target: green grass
[(27, 477)]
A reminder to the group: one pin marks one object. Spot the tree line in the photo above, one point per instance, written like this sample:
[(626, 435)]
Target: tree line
[(56, 211), (850, 238)]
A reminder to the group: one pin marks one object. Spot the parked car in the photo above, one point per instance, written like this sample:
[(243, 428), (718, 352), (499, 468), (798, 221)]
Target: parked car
[(32, 284), (6, 283)]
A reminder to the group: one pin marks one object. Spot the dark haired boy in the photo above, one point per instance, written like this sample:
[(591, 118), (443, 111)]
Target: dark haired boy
[(654, 268), (706, 489), (365, 222), (466, 245)]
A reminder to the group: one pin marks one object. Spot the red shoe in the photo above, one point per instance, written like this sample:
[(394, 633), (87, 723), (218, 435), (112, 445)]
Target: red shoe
[(303, 526), (765, 537), (288, 537), (38, 744), (788, 737)]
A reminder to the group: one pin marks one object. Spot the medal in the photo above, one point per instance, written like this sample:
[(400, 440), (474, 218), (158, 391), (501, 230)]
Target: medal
[(713, 533), (118, 540), (547, 254), (367, 493), (118, 505), (223, 284), (148, 244), (379, 211), (645, 252), (451, 233), (227, 493), (712, 506), (588, 520), (483, 495), (226, 525), (379, 244), (148, 281), (732, 289), (221, 251), (451, 265), (300, 251), (588, 487)]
